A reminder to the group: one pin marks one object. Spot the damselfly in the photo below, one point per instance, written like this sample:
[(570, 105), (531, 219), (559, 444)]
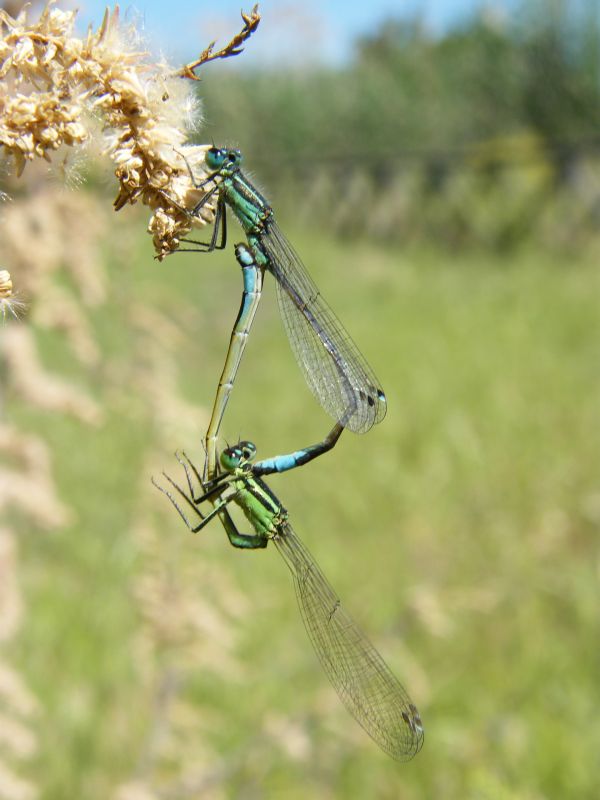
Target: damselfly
[(334, 368), (360, 676)]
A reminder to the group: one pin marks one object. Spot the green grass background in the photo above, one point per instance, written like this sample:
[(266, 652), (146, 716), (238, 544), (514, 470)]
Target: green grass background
[(462, 532)]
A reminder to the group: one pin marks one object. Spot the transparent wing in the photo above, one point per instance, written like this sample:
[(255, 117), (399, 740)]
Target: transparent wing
[(360, 676), (334, 368)]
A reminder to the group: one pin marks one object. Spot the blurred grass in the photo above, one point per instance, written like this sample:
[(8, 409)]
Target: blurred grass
[(462, 532)]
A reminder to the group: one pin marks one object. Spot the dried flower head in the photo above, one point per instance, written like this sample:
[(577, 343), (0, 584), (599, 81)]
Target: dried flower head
[(54, 85), (8, 300)]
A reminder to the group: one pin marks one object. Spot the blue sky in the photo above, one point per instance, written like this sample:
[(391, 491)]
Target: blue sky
[(292, 32)]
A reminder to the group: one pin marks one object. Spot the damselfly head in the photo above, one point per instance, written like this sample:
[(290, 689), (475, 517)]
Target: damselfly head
[(230, 458), (233, 457), (218, 158)]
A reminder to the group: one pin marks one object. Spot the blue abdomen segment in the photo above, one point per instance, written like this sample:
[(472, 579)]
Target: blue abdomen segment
[(250, 277), (245, 258), (280, 463)]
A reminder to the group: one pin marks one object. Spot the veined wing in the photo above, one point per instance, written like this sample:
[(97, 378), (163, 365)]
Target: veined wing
[(334, 368), (360, 676)]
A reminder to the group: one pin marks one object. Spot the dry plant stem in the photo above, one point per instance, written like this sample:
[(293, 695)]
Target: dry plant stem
[(234, 48)]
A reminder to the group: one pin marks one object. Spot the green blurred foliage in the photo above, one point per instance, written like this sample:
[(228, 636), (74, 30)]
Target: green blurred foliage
[(502, 114), (404, 88), (462, 533)]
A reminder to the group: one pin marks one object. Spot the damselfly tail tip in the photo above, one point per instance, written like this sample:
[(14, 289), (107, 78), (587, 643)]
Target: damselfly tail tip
[(413, 719), (413, 722)]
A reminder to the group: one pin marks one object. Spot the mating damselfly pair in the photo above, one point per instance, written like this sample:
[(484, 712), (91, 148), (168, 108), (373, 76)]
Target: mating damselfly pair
[(348, 390), (334, 368)]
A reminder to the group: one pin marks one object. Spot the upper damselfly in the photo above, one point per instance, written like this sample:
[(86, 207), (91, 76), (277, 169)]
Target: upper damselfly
[(334, 368)]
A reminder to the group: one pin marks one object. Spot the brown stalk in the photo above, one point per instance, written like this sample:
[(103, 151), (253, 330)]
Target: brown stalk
[(233, 48)]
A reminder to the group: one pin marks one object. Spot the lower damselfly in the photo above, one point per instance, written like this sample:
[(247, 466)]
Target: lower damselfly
[(358, 673)]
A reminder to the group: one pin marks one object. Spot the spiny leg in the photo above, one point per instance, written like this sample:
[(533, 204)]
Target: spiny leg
[(210, 492), (203, 183), (200, 185), (220, 223), (219, 215), (213, 492), (203, 520), (243, 541), (210, 489), (187, 465)]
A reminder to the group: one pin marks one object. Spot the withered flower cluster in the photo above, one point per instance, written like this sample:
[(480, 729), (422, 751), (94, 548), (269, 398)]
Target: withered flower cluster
[(8, 300), (55, 88)]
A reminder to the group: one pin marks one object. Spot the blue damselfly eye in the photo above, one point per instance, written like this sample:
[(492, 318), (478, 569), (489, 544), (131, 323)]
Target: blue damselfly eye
[(231, 458), (215, 157), (248, 450)]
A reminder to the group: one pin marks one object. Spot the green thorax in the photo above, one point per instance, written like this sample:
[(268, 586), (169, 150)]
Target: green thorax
[(260, 506), (246, 202)]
